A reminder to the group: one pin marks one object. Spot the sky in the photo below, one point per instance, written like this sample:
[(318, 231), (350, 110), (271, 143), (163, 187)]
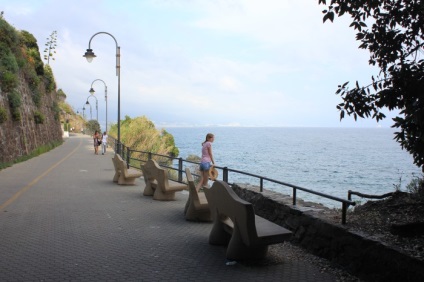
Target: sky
[(201, 62)]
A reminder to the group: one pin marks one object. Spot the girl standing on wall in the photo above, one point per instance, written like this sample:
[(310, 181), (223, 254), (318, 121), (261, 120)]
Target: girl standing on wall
[(205, 162)]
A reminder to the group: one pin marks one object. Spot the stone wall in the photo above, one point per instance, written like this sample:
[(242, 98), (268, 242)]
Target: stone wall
[(19, 138), (362, 256)]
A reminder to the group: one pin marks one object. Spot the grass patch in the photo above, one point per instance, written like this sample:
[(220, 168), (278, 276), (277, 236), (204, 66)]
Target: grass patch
[(40, 150)]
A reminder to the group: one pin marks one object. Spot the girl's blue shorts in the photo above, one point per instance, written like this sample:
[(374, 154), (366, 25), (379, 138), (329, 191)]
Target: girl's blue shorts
[(205, 166)]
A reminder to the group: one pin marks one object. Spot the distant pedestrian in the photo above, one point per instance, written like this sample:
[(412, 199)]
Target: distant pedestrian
[(104, 143), (96, 140), (205, 162)]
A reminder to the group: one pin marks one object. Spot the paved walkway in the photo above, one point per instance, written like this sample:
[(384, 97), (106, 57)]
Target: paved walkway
[(63, 219)]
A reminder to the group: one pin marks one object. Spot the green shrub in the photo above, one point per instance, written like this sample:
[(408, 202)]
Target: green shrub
[(35, 58), (28, 40), (8, 80), (38, 117), (3, 115), (14, 99), (49, 79), (140, 134), (8, 34), (36, 97), (16, 115), (92, 126), (169, 141), (416, 188), (56, 111), (61, 94), (7, 59), (32, 79), (15, 103)]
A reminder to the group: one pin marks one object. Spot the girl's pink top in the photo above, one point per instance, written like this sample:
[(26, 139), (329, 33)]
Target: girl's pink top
[(205, 153)]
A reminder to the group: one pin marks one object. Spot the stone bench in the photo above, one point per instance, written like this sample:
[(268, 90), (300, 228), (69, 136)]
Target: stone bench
[(235, 223), (149, 180), (165, 189), (197, 208), (117, 171), (126, 176)]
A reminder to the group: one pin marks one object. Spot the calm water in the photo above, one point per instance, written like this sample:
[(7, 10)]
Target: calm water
[(328, 160)]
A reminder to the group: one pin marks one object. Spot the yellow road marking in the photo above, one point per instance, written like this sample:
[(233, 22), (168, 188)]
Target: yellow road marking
[(23, 190)]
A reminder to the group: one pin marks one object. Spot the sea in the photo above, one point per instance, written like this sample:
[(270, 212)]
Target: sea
[(326, 160)]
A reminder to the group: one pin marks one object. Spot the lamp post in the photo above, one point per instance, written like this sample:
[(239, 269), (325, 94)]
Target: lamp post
[(97, 109), (82, 111), (91, 114), (89, 55), (92, 93)]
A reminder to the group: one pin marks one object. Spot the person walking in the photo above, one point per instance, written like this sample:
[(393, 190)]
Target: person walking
[(104, 143), (206, 160), (96, 140)]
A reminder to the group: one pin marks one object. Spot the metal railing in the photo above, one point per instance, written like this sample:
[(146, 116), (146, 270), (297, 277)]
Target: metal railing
[(367, 196), (127, 152)]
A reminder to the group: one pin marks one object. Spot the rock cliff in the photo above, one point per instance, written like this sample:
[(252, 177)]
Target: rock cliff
[(29, 111)]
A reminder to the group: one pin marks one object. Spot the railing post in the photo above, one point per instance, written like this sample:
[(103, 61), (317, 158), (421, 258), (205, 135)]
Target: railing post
[(294, 196), (150, 155), (225, 174), (128, 157), (344, 211), (349, 195), (180, 169), (261, 184)]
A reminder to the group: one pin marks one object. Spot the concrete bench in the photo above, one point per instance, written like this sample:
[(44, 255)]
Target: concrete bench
[(165, 189), (117, 171), (235, 224), (197, 208), (127, 176), (149, 180)]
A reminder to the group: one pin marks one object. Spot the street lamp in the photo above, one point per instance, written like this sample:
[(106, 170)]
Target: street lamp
[(97, 109), (82, 111), (92, 93), (91, 114), (89, 55)]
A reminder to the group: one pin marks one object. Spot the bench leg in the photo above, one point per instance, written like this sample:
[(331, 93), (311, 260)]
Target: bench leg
[(148, 190), (160, 196), (218, 235), (126, 181), (237, 250), (187, 205), (191, 214), (116, 177)]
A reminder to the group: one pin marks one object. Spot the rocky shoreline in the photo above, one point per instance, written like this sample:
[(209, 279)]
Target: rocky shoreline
[(319, 231)]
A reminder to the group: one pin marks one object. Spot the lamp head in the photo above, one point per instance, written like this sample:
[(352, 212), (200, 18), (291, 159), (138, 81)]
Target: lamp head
[(89, 55), (87, 103), (91, 91)]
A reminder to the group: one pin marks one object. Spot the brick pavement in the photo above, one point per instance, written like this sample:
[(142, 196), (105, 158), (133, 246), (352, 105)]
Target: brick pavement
[(63, 219)]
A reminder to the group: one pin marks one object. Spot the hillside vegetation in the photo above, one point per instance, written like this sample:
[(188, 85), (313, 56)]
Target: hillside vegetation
[(34, 113), (29, 105), (140, 134)]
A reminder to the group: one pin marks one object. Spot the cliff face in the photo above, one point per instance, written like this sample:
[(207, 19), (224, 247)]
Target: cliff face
[(19, 138), (29, 112)]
